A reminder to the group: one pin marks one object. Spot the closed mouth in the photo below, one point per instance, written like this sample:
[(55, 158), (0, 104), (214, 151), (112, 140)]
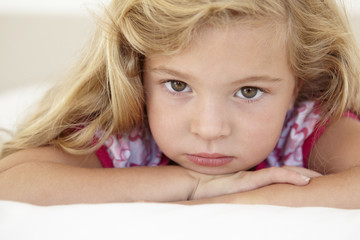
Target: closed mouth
[(210, 159)]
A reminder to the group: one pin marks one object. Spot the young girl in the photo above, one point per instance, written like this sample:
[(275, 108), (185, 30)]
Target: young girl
[(229, 101)]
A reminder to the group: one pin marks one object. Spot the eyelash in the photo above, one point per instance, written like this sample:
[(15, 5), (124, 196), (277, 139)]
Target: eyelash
[(260, 91), (179, 93), (172, 91)]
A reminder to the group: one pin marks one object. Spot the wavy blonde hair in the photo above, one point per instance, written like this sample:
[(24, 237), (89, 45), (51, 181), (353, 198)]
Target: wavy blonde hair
[(105, 89)]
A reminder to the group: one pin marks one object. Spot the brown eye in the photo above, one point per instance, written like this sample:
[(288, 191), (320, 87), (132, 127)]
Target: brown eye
[(178, 86), (249, 93)]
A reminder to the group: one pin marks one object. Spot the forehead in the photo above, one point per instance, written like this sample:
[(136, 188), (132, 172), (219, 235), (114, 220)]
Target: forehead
[(275, 29), (269, 34), (265, 38), (237, 51)]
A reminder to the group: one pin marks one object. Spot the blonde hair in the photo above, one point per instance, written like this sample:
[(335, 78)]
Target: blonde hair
[(105, 90)]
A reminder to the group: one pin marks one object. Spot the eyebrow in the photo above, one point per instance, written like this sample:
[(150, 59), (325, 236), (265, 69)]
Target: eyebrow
[(259, 78), (172, 72), (255, 78)]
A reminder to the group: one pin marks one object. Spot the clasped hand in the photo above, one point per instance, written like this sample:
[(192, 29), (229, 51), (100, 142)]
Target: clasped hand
[(215, 185)]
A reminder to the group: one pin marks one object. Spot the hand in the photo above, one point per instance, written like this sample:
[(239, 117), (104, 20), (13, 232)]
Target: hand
[(216, 185)]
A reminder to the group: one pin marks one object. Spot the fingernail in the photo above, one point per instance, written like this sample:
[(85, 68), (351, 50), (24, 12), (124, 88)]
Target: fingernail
[(307, 179)]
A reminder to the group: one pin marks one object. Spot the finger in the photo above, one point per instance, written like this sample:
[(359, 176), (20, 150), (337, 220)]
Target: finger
[(274, 175), (304, 171)]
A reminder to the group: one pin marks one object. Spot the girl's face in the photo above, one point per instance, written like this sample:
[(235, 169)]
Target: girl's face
[(219, 106)]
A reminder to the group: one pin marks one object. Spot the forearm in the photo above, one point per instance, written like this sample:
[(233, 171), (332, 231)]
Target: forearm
[(47, 183), (341, 190)]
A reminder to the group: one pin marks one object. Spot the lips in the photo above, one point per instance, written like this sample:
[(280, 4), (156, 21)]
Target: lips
[(209, 160)]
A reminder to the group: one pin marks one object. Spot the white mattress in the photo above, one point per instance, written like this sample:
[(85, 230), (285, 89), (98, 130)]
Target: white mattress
[(170, 222)]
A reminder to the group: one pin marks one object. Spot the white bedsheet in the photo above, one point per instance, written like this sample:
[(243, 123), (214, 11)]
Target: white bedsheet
[(170, 221)]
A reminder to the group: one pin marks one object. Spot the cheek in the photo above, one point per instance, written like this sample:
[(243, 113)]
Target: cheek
[(155, 115), (165, 124), (262, 135), (265, 129)]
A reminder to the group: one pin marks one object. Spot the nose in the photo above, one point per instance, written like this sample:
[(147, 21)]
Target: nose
[(210, 121)]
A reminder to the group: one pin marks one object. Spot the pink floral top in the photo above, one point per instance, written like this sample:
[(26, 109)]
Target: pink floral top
[(300, 132), (137, 148)]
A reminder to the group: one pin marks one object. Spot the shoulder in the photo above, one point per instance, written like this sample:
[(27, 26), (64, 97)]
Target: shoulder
[(337, 149)]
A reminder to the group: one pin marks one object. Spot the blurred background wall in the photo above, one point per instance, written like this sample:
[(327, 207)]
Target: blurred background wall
[(41, 39)]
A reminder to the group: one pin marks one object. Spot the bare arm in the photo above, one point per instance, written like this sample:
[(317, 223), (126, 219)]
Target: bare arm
[(48, 176), (336, 155)]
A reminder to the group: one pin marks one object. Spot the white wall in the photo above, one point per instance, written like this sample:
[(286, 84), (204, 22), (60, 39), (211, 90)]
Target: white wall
[(40, 39), (47, 6), (353, 6)]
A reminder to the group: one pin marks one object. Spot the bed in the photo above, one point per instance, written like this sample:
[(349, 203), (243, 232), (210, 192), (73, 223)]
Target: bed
[(43, 60), (170, 221)]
